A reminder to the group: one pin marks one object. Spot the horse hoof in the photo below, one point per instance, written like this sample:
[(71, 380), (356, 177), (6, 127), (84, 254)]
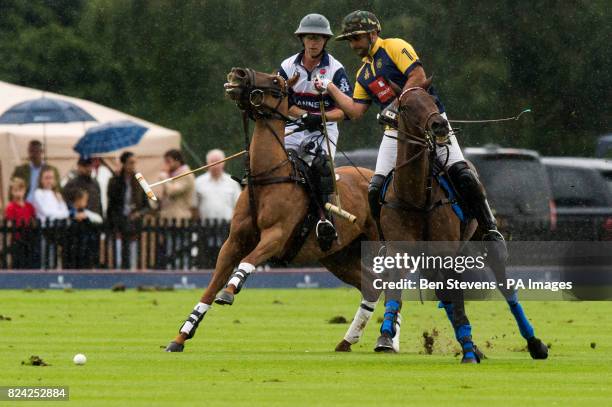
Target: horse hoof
[(224, 298), (466, 360), (343, 346), (537, 349), (384, 344), (479, 353), (175, 347)]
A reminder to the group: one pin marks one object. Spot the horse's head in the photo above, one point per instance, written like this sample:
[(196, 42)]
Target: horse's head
[(421, 117), (256, 91)]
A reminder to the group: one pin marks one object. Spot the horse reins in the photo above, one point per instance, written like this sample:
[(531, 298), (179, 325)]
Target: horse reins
[(252, 106), (430, 145)]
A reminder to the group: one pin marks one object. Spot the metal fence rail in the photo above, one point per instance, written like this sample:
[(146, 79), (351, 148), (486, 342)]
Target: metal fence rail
[(150, 244)]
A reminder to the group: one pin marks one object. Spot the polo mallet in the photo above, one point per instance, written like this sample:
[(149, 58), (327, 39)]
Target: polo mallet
[(148, 187), (336, 209)]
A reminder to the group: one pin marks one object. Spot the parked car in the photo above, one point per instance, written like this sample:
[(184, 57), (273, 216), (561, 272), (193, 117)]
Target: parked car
[(582, 190), (516, 183), (518, 189), (604, 146)]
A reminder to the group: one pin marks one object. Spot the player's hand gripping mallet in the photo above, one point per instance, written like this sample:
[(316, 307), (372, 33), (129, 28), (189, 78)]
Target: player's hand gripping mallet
[(148, 188)]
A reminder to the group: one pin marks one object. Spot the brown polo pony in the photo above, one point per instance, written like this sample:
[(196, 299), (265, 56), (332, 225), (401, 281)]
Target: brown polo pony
[(416, 209), (280, 204)]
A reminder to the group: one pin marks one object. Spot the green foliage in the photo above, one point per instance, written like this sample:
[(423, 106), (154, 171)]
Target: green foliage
[(166, 61)]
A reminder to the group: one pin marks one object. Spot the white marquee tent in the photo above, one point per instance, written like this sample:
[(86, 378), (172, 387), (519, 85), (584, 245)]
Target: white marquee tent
[(61, 137)]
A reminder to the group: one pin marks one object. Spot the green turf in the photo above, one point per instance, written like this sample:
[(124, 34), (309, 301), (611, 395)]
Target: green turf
[(274, 348)]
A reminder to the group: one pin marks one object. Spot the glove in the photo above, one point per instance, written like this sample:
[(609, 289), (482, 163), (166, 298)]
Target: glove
[(388, 116), (312, 122), (321, 83)]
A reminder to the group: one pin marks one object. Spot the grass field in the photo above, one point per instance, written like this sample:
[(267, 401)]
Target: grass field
[(275, 348)]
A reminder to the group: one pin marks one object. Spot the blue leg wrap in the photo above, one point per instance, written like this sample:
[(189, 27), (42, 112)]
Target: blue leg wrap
[(448, 308), (391, 309), (525, 327), (464, 335)]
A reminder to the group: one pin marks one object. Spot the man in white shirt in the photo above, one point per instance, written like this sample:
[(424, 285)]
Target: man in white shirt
[(216, 191)]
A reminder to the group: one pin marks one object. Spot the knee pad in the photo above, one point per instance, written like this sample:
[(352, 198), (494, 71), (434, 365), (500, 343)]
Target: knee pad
[(321, 168), (466, 182)]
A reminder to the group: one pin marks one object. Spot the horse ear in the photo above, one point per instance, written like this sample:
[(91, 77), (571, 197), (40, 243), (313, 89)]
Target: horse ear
[(293, 80), (427, 83)]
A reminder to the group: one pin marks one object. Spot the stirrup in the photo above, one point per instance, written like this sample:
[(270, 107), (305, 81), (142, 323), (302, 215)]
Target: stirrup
[(326, 234), (325, 223)]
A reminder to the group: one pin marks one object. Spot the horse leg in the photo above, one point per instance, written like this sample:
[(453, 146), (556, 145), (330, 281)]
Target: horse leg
[(537, 349), (346, 265), (389, 339), (230, 253), (454, 305), (270, 243)]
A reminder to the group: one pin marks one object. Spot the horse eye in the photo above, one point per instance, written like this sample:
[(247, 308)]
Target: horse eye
[(275, 81)]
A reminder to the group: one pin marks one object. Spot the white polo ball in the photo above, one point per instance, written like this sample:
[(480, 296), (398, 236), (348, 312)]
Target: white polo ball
[(79, 359)]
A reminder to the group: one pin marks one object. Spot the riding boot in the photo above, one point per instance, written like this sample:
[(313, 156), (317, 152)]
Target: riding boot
[(324, 179), (374, 194), (472, 193)]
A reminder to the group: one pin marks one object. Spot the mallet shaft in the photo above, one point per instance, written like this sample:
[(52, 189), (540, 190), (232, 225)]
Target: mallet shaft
[(341, 212), (204, 167)]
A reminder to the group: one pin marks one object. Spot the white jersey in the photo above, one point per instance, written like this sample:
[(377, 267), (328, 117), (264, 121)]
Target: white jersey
[(304, 95)]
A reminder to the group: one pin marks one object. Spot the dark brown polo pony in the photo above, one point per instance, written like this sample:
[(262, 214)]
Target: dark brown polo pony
[(280, 204), (416, 209)]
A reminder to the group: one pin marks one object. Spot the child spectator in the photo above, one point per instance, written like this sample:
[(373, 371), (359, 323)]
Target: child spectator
[(50, 206), (82, 240), (20, 213), (48, 201)]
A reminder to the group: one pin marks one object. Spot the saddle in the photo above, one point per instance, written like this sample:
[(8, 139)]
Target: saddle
[(305, 175)]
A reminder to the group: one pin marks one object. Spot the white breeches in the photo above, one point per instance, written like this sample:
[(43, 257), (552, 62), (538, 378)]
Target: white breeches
[(387, 153)]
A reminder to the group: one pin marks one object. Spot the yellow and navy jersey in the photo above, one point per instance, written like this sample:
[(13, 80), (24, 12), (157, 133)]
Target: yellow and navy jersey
[(390, 60)]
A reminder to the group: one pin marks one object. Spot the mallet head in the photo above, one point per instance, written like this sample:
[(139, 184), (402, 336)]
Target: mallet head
[(145, 186)]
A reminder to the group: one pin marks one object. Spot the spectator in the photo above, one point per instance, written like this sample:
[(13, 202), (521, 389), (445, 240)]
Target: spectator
[(127, 202), (20, 213), (83, 180), (50, 206), (82, 240), (176, 202), (47, 200), (103, 174), (216, 191), (176, 196), (30, 172)]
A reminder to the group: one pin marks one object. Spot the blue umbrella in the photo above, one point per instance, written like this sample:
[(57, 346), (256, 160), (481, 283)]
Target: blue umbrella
[(45, 110), (109, 137)]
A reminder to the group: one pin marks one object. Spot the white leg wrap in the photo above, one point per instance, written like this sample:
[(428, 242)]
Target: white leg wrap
[(396, 338), (194, 318), (240, 275), (362, 316), (387, 154)]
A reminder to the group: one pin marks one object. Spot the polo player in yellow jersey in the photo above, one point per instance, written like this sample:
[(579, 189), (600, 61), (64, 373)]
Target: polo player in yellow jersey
[(393, 63)]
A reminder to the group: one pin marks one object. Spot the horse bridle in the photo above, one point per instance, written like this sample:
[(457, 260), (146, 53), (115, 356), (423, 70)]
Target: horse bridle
[(429, 142), (252, 96), (251, 103)]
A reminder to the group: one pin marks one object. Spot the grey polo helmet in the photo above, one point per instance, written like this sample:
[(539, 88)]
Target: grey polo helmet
[(314, 24)]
